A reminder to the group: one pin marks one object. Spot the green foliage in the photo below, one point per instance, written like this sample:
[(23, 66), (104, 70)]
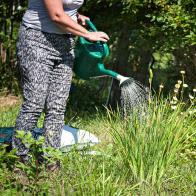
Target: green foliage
[(148, 146), (94, 93), (29, 176), (155, 20), (140, 29), (7, 158), (10, 18)]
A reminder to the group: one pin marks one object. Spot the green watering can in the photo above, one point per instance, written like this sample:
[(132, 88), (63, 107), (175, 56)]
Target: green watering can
[(89, 57)]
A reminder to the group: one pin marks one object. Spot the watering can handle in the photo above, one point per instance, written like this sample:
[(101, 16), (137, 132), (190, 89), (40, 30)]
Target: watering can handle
[(93, 28), (91, 25)]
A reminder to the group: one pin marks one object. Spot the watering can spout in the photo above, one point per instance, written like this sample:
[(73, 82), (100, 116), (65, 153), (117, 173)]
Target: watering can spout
[(111, 73), (122, 79)]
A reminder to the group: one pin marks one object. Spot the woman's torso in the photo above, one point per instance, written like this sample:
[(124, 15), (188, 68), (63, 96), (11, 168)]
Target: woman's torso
[(37, 16)]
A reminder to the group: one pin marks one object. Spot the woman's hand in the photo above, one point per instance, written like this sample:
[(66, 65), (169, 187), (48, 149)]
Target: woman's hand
[(92, 36), (82, 19), (97, 36)]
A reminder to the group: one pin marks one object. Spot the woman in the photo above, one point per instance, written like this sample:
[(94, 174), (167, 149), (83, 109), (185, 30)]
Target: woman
[(45, 54)]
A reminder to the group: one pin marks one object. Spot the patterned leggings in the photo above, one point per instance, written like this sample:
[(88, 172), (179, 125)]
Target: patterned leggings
[(45, 62)]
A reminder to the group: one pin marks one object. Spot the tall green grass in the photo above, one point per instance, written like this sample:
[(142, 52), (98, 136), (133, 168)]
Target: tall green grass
[(148, 145)]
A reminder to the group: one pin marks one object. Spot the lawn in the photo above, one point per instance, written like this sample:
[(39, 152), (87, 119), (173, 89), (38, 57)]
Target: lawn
[(149, 155)]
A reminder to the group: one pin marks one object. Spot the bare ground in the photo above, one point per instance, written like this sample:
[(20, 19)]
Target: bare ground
[(9, 101)]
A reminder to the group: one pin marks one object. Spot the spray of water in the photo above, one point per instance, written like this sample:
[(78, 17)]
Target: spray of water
[(134, 97)]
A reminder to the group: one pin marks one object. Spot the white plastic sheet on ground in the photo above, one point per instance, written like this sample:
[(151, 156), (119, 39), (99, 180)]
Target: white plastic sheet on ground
[(72, 136)]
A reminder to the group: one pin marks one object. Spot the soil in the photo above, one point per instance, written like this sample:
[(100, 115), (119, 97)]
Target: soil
[(9, 101)]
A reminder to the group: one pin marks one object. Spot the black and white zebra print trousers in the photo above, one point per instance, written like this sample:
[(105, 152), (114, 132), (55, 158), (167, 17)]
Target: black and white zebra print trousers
[(45, 62)]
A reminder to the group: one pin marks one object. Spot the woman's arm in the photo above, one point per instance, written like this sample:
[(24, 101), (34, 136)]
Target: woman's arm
[(57, 15)]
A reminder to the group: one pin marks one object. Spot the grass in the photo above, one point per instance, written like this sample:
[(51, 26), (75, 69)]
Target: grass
[(152, 155), (148, 146)]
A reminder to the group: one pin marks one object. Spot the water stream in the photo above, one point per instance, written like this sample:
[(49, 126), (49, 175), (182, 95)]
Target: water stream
[(134, 97)]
